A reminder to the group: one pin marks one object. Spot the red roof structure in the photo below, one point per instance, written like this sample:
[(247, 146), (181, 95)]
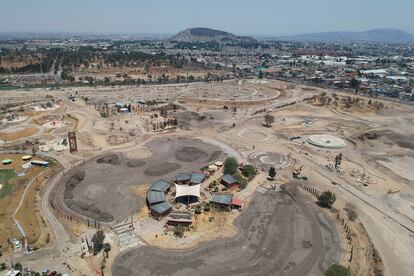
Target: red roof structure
[(236, 202)]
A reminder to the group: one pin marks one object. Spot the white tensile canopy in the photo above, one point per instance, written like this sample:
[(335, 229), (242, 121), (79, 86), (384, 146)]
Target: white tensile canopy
[(218, 163), (187, 190)]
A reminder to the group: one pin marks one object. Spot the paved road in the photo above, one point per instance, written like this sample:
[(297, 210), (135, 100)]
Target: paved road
[(270, 242), (224, 147)]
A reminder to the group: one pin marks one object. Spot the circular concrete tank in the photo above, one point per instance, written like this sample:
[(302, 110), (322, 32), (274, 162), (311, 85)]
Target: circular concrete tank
[(326, 141)]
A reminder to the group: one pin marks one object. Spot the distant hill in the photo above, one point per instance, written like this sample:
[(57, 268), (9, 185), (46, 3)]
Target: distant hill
[(208, 35), (374, 35)]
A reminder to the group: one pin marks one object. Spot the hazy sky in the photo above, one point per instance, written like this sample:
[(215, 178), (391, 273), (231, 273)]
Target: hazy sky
[(261, 17)]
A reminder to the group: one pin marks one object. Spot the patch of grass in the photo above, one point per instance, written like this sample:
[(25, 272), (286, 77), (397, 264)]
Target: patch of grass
[(337, 270), (5, 176), (7, 87)]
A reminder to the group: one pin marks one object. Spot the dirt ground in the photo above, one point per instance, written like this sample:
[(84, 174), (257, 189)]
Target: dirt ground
[(15, 135), (100, 188), (269, 242), (207, 226), (374, 176)]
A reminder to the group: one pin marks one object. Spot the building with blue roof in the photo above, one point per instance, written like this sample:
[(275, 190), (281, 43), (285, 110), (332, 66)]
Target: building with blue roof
[(182, 178), (154, 197), (160, 186), (197, 178), (221, 200), (230, 182), (160, 209)]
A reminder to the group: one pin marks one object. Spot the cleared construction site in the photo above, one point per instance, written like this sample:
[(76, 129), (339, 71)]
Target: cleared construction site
[(135, 144)]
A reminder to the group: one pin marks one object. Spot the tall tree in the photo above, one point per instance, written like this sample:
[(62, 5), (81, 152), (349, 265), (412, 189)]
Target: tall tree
[(230, 165), (107, 248), (272, 172), (269, 120), (97, 240)]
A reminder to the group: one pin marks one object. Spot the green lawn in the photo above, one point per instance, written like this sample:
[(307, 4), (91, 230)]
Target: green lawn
[(7, 87), (5, 176)]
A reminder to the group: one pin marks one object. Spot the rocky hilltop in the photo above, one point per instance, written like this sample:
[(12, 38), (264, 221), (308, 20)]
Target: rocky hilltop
[(207, 35)]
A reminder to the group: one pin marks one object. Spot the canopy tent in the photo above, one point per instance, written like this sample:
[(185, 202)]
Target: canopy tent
[(26, 157), (218, 163), (187, 190), (7, 161)]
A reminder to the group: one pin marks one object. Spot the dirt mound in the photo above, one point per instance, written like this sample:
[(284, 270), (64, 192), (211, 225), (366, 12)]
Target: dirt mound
[(74, 180), (112, 159), (89, 210), (103, 192), (81, 207), (390, 137), (189, 154), (216, 155), (189, 115), (161, 169), (136, 163), (372, 135)]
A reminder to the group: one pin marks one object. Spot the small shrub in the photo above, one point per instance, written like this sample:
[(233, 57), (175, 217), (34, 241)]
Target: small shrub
[(179, 231), (326, 199), (18, 266), (352, 215), (337, 270)]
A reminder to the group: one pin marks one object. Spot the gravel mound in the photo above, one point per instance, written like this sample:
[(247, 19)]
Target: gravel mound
[(81, 207), (136, 163), (189, 154), (112, 159), (161, 169)]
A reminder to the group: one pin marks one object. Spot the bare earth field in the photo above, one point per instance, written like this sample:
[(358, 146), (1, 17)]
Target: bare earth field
[(104, 192), (278, 233), (271, 241)]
